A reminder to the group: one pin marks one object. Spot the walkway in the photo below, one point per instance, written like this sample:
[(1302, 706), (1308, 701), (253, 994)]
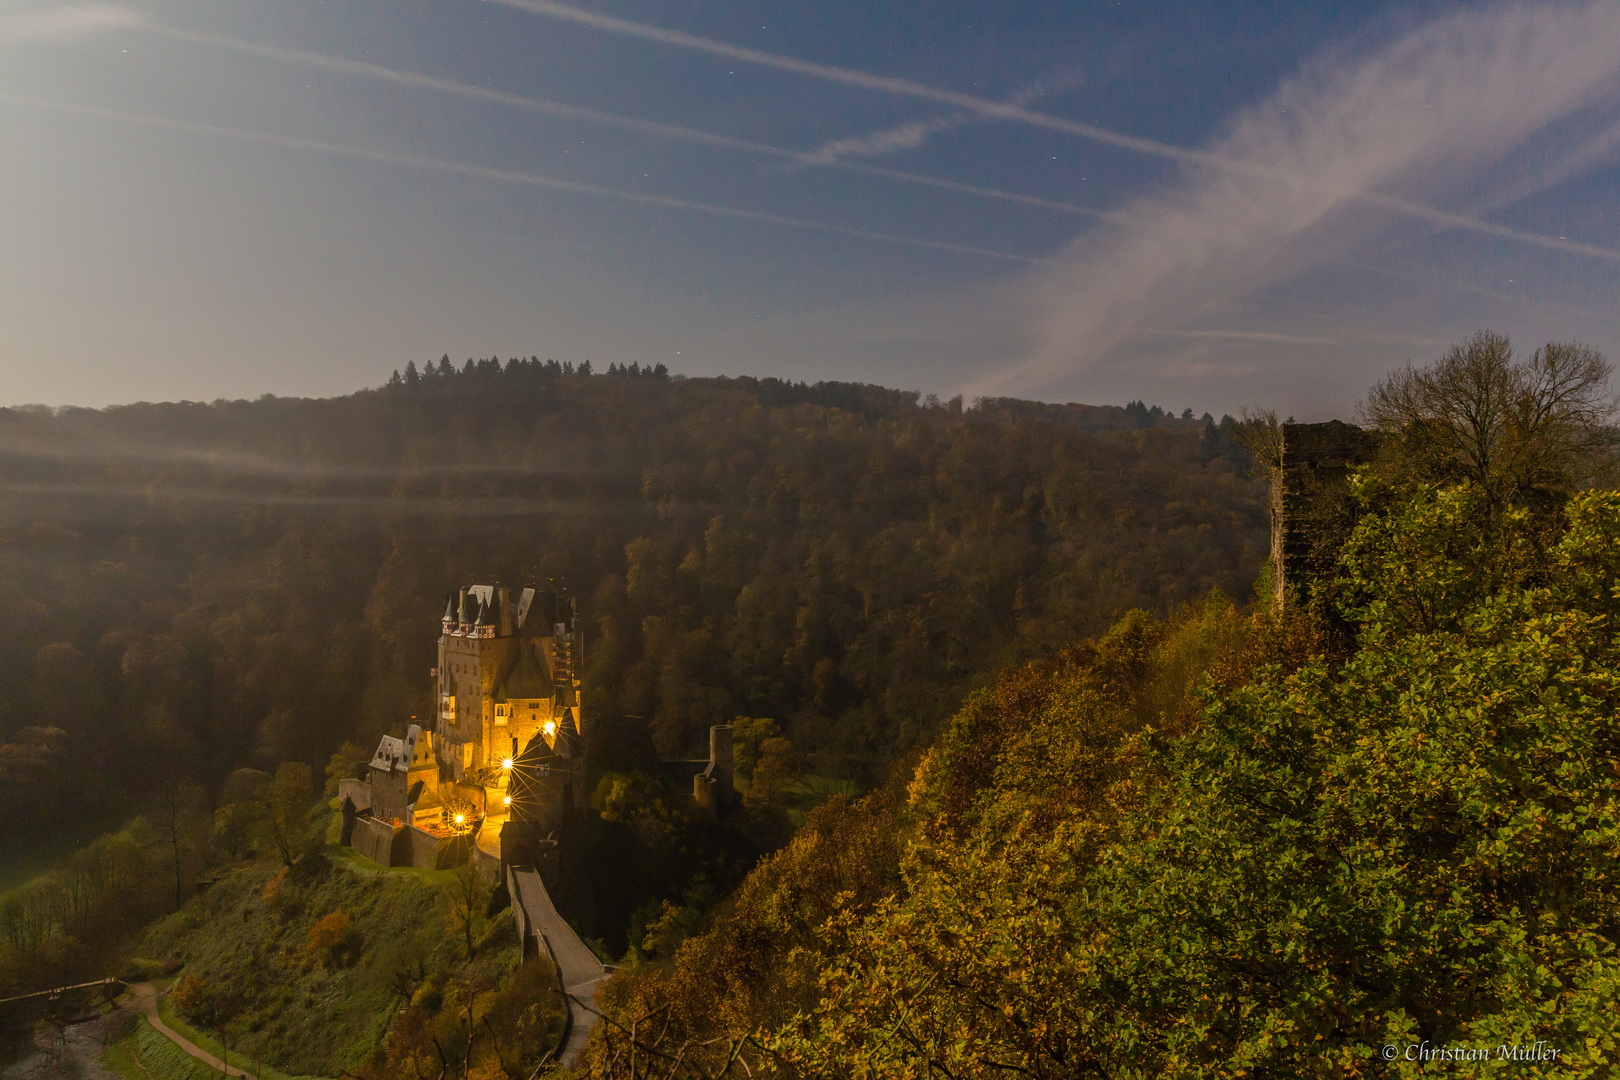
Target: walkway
[(578, 969), (145, 995)]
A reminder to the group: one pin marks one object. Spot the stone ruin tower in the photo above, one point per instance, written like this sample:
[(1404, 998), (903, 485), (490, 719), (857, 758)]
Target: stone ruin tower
[(1311, 512)]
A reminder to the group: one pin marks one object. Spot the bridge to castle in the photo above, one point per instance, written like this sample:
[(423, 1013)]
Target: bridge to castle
[(579, 972), (544, 932)]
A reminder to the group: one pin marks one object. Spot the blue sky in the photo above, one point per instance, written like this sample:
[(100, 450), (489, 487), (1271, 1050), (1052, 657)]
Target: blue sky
[(1200, 205)]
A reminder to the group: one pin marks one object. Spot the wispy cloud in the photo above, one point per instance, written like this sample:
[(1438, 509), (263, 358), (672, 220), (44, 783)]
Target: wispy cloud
[(916, 133), (1234, 160), (1245, 335), (1400, 129), (59, 21), (907, 136), (513, 176)]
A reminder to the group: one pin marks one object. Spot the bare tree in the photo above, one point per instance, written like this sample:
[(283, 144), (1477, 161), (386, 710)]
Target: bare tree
[(1512, 428), (177, 817), (466, 896)]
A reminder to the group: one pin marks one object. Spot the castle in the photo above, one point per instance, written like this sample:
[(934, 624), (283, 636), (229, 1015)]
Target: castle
[(500, 776), (502, 769)]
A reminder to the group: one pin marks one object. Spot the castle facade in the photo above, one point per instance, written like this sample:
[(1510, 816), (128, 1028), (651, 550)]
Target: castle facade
[(507, 673)]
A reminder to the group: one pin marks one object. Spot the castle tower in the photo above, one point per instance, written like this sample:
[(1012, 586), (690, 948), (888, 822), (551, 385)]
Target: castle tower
[(506, 680)]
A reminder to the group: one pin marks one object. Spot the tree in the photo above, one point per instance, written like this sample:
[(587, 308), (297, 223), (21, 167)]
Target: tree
[(466, 896), (1259, 433), (179, 817), (348, 763), (774, 774), (748, 733), (287, 804), (1512, 428), (234, 825), (1418, 842)]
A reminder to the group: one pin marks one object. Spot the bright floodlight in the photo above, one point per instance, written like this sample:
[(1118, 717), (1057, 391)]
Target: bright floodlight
[(507, 800), (506, 764), (551, 728), (460, 819)]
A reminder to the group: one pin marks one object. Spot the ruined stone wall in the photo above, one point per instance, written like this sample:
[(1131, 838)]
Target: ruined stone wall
[(1311, 507)]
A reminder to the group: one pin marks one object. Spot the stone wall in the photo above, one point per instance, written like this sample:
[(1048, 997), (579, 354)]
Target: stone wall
[(357, 792), (421, 849), (375, 840)]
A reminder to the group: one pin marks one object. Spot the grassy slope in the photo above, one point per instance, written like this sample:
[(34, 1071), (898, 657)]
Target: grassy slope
[(149, 1055), (312, 1011)]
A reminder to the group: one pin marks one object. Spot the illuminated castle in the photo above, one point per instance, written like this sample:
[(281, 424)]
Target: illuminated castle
[(507, 673), (509, 717), (505, 756)]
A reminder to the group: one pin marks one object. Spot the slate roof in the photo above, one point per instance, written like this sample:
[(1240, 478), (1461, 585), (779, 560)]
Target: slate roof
[(394, 755), (527, 679)]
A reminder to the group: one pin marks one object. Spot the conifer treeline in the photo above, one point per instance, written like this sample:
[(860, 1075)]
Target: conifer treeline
[(532, 369)]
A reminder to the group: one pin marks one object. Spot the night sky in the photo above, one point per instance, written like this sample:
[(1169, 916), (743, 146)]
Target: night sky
[(1199, 205)]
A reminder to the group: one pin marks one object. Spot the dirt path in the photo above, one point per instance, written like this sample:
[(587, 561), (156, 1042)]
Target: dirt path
[(145, 995)]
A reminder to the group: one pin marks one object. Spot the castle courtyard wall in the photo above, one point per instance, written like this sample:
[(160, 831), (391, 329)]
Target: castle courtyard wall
[(375, 840)]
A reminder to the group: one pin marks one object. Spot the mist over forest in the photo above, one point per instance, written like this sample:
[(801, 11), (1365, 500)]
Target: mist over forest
[(189, 588)]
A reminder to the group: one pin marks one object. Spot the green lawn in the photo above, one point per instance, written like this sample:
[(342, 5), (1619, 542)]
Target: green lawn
[(352, 860)]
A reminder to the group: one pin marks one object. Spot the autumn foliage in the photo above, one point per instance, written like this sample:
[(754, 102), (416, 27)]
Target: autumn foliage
[(1213, 846)]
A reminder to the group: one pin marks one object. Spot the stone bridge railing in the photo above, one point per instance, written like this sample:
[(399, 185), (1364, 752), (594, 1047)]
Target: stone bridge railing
[(579, 972)]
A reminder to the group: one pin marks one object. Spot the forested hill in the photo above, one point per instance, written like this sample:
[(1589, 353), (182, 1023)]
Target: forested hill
[(202, 586)]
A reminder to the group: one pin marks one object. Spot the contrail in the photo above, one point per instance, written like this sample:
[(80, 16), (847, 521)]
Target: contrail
[(865, 80), (363, 69), (1441, 217), (64, 21), (510, 176), (1017, 113)]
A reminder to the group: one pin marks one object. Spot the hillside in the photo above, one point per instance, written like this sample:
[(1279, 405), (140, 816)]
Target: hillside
[(1223, 845), (307, 970), (189, 588)]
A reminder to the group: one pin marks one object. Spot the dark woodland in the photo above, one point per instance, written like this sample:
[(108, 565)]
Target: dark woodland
[(191, 588)]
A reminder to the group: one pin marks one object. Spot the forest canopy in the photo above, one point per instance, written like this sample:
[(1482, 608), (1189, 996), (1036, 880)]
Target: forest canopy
[(189, 588), (1216, 845)]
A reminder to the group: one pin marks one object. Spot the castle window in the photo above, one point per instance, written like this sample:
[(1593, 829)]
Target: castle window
[(500, 714)]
